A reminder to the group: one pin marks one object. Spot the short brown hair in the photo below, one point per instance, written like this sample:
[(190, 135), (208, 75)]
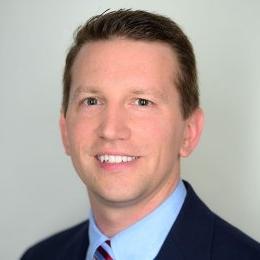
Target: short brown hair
[(139, 25)]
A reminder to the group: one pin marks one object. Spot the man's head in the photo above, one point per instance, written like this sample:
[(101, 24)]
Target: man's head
[(130, 107), (140, 26)]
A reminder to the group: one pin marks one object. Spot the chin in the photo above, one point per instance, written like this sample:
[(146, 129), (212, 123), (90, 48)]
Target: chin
[(118, 199)]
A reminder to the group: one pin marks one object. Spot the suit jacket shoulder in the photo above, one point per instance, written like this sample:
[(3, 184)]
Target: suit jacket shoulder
[(199, 234), (230, 243), (69, 244)]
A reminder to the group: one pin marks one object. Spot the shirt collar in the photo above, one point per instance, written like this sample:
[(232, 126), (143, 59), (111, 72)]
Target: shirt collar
[(143, 239)]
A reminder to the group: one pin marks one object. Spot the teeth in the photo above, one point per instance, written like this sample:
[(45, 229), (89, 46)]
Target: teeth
[(115, 158)]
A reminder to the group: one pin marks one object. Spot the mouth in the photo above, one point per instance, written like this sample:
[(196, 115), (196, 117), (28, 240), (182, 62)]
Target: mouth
[(115, 159)]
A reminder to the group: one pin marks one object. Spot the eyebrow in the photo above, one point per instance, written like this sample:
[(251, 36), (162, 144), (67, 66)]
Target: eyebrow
[(135, 90), (85, 89), (157, 93)]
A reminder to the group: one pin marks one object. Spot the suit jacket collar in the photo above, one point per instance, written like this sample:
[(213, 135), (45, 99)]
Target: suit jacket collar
[(192, 231)]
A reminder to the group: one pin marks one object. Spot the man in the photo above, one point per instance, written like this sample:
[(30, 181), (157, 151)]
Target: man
[(130, 111)]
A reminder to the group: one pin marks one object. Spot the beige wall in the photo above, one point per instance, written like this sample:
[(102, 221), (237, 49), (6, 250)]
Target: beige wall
[(39, 191)]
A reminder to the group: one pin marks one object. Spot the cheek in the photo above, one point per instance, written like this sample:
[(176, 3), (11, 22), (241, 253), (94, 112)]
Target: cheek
[(79, 132), (156, 127), (153, 134), (166, 135)]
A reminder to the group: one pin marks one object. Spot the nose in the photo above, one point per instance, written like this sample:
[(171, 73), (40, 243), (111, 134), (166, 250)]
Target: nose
[(114, 124)]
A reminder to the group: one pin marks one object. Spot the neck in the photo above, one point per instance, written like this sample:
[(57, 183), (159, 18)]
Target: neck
[(112, 218)]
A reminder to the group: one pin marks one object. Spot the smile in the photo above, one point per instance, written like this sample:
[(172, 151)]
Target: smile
[(106, 158)]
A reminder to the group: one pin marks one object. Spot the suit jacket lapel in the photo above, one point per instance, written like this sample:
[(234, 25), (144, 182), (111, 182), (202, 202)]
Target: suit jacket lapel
[(191, 235), (77, 248)]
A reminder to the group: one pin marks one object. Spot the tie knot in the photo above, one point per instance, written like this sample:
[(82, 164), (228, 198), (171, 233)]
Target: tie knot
[(104, 251), (108, 242)]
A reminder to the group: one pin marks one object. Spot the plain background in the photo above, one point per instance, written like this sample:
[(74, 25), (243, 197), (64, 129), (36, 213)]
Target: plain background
[(39, 191)]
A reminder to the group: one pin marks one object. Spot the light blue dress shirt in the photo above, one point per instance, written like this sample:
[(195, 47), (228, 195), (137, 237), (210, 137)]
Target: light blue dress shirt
[(143, 239)]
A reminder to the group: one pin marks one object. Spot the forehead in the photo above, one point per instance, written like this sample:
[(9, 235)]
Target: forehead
[(124, 61)]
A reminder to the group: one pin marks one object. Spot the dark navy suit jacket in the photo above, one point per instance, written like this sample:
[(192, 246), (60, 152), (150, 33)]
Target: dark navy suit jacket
[(197, 234)]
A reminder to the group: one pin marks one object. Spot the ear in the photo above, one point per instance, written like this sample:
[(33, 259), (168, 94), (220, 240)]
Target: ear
[(64, 133), (192, 132)]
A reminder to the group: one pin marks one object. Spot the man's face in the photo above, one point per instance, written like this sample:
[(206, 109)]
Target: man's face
[(124, 129)]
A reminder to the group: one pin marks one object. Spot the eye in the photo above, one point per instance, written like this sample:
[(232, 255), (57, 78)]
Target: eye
[(143, 102), (91, 101)]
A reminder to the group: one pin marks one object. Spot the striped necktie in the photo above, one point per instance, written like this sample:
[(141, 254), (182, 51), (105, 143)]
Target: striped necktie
[(104, 251)]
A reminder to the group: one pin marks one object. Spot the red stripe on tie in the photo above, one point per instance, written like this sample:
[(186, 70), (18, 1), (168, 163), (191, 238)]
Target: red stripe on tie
[(104, 253)]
